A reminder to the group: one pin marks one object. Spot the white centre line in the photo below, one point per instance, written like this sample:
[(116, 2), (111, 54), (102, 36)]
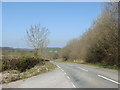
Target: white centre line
[(83, 69), (108, 79)]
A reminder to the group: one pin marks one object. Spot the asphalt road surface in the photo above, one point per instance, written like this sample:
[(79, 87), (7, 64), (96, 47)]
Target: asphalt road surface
[(85, 76), (70, 75)]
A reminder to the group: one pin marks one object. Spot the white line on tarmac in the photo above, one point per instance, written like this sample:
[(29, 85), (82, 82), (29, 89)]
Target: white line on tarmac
[(71, 82), (68, 77), (65, 73), (62, 70), (58, 66), (108, 79), (83, 69), (73, 85)]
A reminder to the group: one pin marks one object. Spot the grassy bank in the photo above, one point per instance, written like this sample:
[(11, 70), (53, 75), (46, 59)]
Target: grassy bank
[(96, 65), (14, 75)]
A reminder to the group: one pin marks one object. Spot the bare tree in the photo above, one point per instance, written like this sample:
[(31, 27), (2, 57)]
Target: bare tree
[(37, 38)]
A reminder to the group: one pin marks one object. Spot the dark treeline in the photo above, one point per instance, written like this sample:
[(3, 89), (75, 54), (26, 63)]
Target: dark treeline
[(100, 43)]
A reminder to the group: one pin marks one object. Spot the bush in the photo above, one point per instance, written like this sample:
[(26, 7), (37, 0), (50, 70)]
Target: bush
[(10, 62), (19, 63), (27, 63)]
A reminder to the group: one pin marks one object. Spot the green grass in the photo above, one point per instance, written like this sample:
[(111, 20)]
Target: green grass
[(54, 48), (25, 52), (18, 53), (100, 65), (96, 65), (36, 70), (0, 66)]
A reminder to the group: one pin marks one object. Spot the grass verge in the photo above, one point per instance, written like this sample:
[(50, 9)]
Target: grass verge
[(14, 75), (96, 65)]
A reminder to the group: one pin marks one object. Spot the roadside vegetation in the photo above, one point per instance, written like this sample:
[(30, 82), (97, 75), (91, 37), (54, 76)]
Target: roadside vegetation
[(50, 52), (91, 64), (16, 64), (21, 67), (99, 44), (16, 68)]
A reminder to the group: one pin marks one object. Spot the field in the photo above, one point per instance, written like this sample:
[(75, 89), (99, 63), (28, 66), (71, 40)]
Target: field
[(23, 52)]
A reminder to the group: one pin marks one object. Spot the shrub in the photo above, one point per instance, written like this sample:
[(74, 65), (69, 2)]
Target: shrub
[(9, 62), (27, 63), (19, 63)]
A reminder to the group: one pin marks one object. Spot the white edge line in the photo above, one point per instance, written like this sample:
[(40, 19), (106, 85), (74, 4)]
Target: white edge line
[(58, 66), (68, 77), (108, 79), (83, 69), (62, 70), (71, 82), (73, 85)]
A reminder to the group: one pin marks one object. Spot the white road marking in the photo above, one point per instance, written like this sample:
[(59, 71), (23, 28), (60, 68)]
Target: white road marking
[(83, 69), (68, 77), (62, 70), (73, 85), (58, 66), (71, 82), (108, 79), (65, 73)]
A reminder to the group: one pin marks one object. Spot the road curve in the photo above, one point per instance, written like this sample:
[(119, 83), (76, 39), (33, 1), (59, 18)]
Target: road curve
[(71, 75), (85, 76)]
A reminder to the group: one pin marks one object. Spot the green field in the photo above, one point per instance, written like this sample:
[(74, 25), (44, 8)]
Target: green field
[(25, 52), (53, 49)]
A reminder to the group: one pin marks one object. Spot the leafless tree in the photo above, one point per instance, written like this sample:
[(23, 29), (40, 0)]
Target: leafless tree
[(37, 38)]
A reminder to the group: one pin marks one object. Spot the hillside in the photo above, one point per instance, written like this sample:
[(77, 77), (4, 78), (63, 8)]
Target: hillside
[(23, 51)]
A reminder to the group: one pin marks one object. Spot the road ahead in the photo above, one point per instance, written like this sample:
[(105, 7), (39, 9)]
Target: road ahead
[(70, 75), (85, 76)]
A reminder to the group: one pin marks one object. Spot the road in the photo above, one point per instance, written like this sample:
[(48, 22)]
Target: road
[(85, 76), (54, 79), (70, 75)]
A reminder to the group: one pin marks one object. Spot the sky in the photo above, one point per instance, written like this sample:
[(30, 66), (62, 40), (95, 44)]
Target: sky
[(0, 24), (65, 20)]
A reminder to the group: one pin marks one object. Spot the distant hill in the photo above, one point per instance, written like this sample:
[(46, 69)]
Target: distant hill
[(11, 48), (6, 48), (54, 49), (19, 51)]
